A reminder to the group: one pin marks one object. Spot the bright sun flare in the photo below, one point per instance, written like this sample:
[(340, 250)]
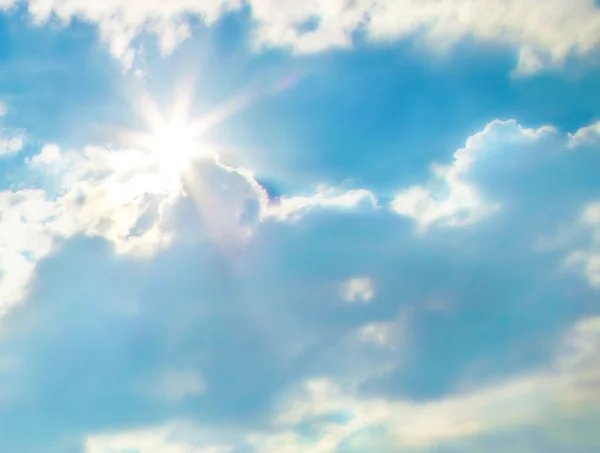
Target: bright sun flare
[(174, 145)]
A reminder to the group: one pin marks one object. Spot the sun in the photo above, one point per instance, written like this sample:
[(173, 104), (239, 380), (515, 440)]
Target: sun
[(172, 141), (174, 145)]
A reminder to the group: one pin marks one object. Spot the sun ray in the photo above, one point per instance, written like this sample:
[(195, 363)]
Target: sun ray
[(173, 139)]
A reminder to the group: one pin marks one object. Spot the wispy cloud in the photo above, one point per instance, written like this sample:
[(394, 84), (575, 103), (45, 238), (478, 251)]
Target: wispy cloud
[(343, 418), (358, 289)]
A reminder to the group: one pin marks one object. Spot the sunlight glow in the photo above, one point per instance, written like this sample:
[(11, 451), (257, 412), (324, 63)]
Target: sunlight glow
[(174, 145), (173, 141)]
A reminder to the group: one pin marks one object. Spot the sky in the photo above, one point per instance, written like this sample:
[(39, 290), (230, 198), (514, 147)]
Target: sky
[(272, 226)]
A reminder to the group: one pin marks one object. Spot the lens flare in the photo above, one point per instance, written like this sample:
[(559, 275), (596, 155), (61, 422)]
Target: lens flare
[(174, 146)]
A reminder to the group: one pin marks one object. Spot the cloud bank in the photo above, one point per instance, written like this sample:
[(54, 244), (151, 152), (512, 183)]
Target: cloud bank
[(342, 419), (544, 33)]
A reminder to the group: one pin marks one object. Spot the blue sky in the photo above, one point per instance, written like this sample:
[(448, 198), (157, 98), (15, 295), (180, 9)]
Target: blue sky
[(288, 227)]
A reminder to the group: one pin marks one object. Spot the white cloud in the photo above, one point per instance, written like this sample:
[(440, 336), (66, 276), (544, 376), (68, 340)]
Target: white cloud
[(551, 28), (226, 192), (358, 289), (452, 200), (584, 230), (325, 197), (171, 438), (121, 21), (124, 196), (563, 389), (24, 240), (383, 334), (568, 385), (11, 140), (105, 193), (10, 144), (99, 192), (529, 62), (49, 157), (588, 135), (232, 202), (395, 334), (377, 333), (544, 32), (588, 258)]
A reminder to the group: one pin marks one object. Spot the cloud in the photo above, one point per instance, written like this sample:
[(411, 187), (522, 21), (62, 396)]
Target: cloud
[(49, 157), (11, 140), (395, 335), (97, 193), (123, 198), (564, 388), (232, 202), (588, 258), (358, 289), (529, 62), (588, 135), (384, 334), (545, 33), (126, 198), (326, 416), (452, 199), (377, 333), (548, 29), (171, 438), (10, 145), (325, 197), (24, 240)]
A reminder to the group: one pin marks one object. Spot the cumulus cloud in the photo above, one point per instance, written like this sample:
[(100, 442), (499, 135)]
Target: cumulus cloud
[(125, 197), (544, 395), (322, 415), (24, 240), (232, 201), (49, 157), (452, 199), (545, 33), (96, 192), (588, 135), (107, 193), (358, 289)]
